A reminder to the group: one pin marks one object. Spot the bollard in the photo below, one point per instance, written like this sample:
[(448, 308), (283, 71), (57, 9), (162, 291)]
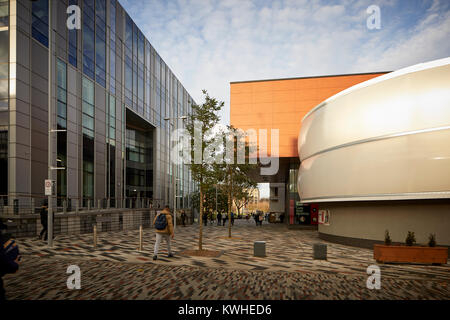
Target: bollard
[(33, 206), (141, 232), (319, 251), (95, 236), (108, 203), (65, 206), (77, 205), (89, 205), (259, 249), (99, 203)]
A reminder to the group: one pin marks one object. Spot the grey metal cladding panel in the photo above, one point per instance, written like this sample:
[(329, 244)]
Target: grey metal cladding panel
[(23, 73), (22, 91), (72, 127), (20, 151), (100, 153), (39, 140), (26, 4), (22, 174), (72, 117), (72, 102), (22, 25), (38, 176), (118, 62), (119, 21), (100, 98), (72, 81), (61, 49), (40, 114), (72, 139), (72, 178), (72, 162), (39, 99), (19, 106), (39, 126), (39, 60), (100, 182), (4, 118), (19, 135), (39, 83), (61, 18), (23, 15), (100, 128), (23, 49)]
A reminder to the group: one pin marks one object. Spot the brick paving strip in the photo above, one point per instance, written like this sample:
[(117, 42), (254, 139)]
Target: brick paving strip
[(116, 270)]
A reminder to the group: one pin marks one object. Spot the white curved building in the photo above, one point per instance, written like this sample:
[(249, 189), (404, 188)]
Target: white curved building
[(377, 156)]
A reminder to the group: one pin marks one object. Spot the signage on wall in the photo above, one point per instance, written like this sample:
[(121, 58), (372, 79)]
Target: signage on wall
[(324, 217), (49, 185)]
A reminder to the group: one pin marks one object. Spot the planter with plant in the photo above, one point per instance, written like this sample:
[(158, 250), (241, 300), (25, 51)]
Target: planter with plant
[(410, 252)]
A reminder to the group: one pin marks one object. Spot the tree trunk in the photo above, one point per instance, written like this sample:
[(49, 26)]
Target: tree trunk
[(200, 235), (230, 202)]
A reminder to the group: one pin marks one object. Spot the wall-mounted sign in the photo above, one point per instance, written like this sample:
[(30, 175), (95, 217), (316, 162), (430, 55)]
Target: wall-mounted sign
[(324, 217), (48, 184)]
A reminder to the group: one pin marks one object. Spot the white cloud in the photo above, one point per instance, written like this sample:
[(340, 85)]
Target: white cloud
[(208, 43)]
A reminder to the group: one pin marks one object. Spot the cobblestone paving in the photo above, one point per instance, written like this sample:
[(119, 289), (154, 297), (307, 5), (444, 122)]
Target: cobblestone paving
[(116, 270)]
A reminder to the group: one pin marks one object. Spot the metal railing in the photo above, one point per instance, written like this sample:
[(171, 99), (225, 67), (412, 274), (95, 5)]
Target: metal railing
[(20, 204), (23, 218)]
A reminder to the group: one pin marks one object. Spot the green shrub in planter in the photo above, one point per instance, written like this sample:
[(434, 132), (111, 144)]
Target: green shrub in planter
[(432, 240), (410, 239), (387, 238)]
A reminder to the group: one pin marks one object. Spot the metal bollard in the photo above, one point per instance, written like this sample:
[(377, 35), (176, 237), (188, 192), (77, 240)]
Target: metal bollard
[(99, 203), (95, 236), (319, 251), (259, 249), (89, 205), (141, 234)]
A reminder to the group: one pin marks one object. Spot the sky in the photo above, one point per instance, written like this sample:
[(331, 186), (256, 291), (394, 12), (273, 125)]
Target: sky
[(210, 43)]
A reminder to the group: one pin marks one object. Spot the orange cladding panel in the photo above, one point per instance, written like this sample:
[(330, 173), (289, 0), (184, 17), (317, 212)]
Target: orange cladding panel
[(282, 104)]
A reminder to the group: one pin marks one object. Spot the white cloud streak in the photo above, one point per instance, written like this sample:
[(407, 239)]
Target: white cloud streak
[(209, 43)]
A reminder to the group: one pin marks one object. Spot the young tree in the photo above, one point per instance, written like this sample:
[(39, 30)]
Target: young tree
[(234, 173), (242, 195), (203, 119)]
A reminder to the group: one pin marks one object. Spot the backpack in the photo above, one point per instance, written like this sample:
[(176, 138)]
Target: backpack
[(161, 222)]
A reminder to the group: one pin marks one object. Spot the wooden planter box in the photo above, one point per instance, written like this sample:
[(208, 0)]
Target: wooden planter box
[(407, 254)]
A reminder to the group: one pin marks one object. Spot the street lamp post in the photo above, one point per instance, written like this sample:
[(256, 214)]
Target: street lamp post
[(174, 173), (50, 125)]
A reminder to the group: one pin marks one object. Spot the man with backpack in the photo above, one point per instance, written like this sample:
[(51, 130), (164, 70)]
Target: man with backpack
[(219, 219), (9, 259), (164, 229)]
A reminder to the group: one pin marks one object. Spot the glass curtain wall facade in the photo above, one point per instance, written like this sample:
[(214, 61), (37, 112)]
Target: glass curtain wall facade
[(112, 92), (4, 97)]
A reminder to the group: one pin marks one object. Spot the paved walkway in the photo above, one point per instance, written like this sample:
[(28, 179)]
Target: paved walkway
[(116, 270)]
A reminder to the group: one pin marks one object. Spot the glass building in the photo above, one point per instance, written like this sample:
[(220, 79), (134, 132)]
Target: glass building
[(111, 92)]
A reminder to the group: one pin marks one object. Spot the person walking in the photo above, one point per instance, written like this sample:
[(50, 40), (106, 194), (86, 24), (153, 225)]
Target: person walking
[(183, 218), (164, 229), (260, 218), (255, 216), (205, 218), (9, 259), (219, 219), (225, 218), (232, 219), (44, 221)]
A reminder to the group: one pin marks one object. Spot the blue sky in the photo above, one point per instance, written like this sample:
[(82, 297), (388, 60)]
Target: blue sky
[(209, 43)]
